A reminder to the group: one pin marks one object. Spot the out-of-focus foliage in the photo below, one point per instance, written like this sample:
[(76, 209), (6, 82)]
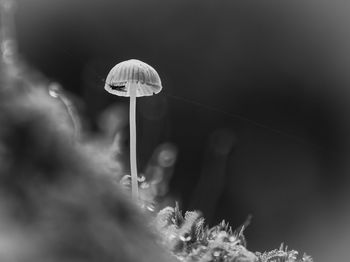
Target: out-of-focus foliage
[(60, 196)]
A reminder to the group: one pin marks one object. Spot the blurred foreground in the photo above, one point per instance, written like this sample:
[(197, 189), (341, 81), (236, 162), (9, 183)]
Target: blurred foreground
[(61, 201)]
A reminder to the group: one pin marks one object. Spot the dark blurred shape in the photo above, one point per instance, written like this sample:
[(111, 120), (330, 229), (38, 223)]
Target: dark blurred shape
[(112, 121), (212, 183), (167, 154), (154, 109), (222, 141), (158, 173)]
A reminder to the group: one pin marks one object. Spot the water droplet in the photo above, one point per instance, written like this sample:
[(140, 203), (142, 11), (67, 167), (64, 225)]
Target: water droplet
[(54, 90), (185, 238), (141, 179)]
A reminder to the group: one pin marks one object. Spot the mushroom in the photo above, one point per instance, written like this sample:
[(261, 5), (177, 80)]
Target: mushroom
[(133, 78)]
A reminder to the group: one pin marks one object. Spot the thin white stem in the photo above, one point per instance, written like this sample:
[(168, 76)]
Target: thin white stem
[(132, 117)]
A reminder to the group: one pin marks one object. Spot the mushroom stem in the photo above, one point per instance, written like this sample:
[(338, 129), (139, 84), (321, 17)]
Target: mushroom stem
[(132, 117)]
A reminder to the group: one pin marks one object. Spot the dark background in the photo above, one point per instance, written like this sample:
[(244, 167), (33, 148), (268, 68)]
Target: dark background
[(256, 100)]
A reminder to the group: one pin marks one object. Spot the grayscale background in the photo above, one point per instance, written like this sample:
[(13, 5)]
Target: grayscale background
[(256, 101)]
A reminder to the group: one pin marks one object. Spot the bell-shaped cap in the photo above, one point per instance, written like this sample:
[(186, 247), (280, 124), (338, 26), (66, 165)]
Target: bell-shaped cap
[(133, 74)]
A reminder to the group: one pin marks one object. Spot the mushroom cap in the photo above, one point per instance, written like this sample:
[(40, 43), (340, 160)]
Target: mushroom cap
[(133, 73)]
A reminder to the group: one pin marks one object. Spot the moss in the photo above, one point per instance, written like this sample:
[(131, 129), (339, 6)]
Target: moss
[(190, 240)]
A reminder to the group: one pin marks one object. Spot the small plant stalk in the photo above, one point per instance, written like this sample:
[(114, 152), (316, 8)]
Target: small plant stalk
[(73, 115), (56, 91), (132, 117)]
